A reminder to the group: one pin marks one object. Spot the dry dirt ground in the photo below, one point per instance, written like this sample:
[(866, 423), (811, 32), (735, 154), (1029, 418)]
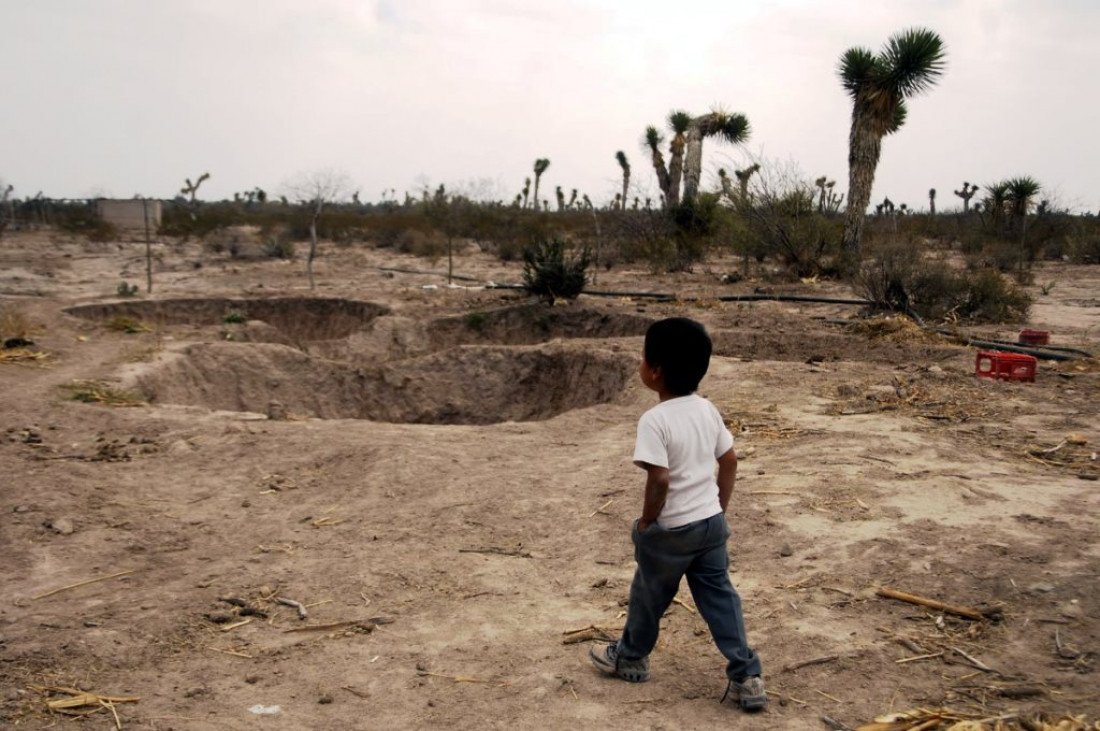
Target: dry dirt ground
[(448, 474)]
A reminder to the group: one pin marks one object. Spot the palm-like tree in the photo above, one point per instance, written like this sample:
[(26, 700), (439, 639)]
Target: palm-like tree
[(743, 177), (966, 194), (620, 156), (653, 140), (1021, 193), (679, 122), (996, 203), (729, 127), (910, 63), (540, 167)]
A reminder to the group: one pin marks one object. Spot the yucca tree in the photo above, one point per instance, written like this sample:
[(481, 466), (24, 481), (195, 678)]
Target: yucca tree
[(679, 122), (731, 127), (996, 203), (1021, 193), (932, 201), (727, 187), (910, 63), (540, 167), (653, 140), (743, 177), (966, 194), (620, 157)]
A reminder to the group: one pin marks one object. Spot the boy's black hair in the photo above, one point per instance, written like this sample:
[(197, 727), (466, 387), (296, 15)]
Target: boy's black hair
[(681, 349)]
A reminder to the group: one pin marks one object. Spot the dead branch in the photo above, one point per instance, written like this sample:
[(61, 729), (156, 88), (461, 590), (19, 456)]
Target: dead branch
[(81, 583), (366, 625), (497, 551), (302, 613), (960, 611)]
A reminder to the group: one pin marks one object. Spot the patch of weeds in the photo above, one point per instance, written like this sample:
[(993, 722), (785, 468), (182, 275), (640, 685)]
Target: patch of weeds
[(549, 272), (14, 324), (144, 355), (475, 320), (128, 325), (1047, 288), (127, 290), (234, 317), (98, 392)]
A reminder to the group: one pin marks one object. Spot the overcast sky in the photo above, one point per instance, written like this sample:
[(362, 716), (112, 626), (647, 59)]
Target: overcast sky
[(125, 97)]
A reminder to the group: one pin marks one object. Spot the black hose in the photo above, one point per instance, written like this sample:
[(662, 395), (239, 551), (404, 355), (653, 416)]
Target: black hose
[(1056, 348)]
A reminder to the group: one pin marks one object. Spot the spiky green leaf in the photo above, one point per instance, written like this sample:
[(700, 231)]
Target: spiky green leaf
[(856, 69), (679, 121), (913, 60), (653, 138)]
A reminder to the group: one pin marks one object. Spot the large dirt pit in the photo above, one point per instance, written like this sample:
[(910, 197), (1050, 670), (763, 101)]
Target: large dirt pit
[(447, 488), (463, 385)]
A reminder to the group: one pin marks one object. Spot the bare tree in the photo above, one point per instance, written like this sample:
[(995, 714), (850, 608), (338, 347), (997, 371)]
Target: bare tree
[(190, 190), (7, 209), (317, 189)]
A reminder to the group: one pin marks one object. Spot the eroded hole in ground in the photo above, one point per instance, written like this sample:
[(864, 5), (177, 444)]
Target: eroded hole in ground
[(463, 385), (396, 337), (290, 320)]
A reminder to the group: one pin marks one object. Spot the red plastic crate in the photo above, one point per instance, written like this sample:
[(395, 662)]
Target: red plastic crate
[(1006, 366), (1033, 337)]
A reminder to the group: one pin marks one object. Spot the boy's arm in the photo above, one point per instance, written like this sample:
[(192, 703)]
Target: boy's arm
[(727, 475), (656, 491)]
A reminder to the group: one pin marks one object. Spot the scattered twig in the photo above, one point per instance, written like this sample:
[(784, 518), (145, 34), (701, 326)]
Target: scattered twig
[(586, 634), (360, 623), (81, 583), (601, 508), (1064, 652), (235, 625), (973, 661), (302, 613), (928, 656), (787, 696), (354, 692), (457, 678), (826, 695), (497, 551), (967, 612), (819, 661), (678, 600), (235, 653), (835, 725)]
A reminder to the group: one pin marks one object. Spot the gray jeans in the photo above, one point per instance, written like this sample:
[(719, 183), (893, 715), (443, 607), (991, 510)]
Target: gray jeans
[(697, 550)]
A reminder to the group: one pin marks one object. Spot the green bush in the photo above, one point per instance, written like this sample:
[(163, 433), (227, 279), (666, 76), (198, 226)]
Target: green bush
[(234, 317), (552, 273), (125, 289)]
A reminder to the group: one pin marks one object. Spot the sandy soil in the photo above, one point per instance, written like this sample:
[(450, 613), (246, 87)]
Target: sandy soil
[(448, 471)]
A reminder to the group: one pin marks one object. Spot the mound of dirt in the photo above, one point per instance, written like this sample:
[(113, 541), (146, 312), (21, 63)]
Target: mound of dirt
[(465, 385), (834, 346), (301, 319)]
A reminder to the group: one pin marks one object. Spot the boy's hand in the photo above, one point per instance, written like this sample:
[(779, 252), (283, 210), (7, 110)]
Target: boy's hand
[(643, 524)]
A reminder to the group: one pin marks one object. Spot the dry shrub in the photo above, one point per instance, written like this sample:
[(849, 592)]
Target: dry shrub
[(14, 323), (430, 246), (98, 392), (893, 330), (127, 324)]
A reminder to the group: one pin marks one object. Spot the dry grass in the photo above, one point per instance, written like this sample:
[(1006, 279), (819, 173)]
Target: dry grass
[(14, 323), (898, 329), (126, 324), (98, 392)]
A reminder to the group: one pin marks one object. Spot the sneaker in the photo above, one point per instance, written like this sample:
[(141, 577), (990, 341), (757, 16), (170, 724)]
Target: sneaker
[(606, 658), (748, 693)]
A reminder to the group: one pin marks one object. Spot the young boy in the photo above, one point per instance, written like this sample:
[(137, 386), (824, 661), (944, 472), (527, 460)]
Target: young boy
[(683, 528)]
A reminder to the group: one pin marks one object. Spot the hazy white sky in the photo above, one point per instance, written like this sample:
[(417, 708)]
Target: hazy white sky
[(122, 97)]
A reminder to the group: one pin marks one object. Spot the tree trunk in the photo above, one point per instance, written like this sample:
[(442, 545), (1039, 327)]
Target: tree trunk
[(626, 184), (536, 201), (313, 242), (662, 172), (148, 248), (675, 171), (864, 148), (693, 162)]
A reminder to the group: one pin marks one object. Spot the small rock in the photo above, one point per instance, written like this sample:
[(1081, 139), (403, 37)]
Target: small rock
[(21, 509), (62, 526), (180, 446), (786, 550), (1071, 611), (252, 679), (276, 411), (1040, 588), (246, 503), (325, 699)]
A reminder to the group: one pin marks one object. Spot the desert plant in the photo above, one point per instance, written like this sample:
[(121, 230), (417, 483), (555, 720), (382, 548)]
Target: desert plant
[(652, 140), (910, 63), (541, 165), (475, 320), (932, 201), (278, 244), (679, 122), (191, 190), (731, 127), (126, 289), (966, 194), (317, 189), (552, 273), (620, 157), (234, 317)]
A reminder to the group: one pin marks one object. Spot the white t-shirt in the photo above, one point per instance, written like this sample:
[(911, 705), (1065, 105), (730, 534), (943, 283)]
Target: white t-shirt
[(685, 435)]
